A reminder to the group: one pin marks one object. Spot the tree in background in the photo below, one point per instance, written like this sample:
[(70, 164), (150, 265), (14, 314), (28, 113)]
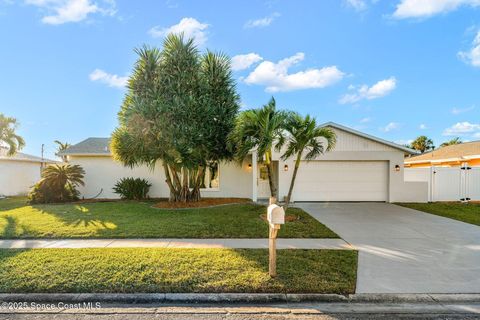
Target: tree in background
[(304, 136), (62, 146), (8, 136), (59, 183), (261, 129), (451, 142), (422, 144), (180, 107)]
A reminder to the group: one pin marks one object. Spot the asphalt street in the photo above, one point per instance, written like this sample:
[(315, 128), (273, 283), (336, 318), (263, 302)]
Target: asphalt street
[(306, 311)]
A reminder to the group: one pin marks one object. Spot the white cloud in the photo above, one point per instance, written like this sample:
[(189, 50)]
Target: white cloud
[(462, 129), (263, 22), (357, 5), (391, 126), (190, 27), (404, 142), (244, 61), (64, 11), (276, 78), (472, 56), (422, 126), (427, 8), (460, 110), (378, 90), (112, 80), (365, 120)]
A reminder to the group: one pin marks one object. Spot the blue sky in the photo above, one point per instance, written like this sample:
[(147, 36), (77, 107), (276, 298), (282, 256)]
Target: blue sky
[(393, 69)]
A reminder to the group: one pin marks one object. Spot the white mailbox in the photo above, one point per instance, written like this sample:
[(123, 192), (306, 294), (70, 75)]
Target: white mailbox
[(275, 214)]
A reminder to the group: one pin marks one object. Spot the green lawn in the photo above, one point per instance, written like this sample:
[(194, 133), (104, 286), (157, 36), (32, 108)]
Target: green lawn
[(125, 219), (466, 212), (175, 270)]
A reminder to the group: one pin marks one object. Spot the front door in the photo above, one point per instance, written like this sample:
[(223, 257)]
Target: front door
[(263, 186)]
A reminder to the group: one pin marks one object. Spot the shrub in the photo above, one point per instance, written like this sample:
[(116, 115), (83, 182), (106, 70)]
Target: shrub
[(132, 188), (58, 184)]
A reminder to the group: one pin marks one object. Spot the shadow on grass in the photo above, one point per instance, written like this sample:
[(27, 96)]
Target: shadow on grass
[(176, 270), (11, 203), (131, 219)]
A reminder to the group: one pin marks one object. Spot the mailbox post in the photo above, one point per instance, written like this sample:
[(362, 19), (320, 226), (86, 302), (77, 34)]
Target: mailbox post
[(275, 217)]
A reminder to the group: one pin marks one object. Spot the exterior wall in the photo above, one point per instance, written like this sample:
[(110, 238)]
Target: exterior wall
[(413, 191), (240, 180), (102, 172), (16, 177), (352, 147)]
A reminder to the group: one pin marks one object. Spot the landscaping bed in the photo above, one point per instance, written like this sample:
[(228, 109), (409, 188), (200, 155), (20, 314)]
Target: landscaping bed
[(175, 270), (132, 219), (203, 203), (466, 212)]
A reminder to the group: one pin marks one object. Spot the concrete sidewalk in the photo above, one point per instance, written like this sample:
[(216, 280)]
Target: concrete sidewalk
[(337, 244)]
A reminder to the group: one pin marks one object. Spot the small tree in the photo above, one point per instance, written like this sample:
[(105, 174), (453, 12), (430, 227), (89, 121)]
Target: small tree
[(451, 142), (58, 184), (261, 129), (62, 146), (304, 140), (8, 136), (179, 109), (422, 144)]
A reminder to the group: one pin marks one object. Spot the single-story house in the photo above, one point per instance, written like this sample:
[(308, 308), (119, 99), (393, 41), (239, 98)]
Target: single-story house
[(19, 172), (463, 154), (360, 168)]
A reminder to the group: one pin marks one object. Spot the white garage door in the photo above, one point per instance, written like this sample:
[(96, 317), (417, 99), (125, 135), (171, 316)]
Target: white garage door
[(342, 181)]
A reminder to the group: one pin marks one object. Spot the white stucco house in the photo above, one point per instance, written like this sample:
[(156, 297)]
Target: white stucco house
[(360, 168), (18, 173)]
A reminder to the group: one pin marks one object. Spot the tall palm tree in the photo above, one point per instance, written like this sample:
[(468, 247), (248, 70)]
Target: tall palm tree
[(62, 146), (261, 129), (305, 138), (451, 142), (422, 144), (8, 126)]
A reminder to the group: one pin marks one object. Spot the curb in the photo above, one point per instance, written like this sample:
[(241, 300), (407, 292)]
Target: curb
[(146, 298)]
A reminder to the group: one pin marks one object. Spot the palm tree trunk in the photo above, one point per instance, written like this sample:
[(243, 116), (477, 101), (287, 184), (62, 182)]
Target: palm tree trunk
[(292, 182), (270, 171)]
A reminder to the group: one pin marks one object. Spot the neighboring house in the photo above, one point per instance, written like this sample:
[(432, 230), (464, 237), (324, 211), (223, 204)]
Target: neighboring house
[(19, 172), (360, 168), (467, 153)]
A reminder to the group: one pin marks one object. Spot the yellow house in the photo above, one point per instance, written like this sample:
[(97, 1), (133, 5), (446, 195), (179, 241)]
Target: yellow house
[(467, 153)]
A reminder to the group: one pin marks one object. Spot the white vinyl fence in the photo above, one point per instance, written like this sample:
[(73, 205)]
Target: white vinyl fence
[(448, 183)]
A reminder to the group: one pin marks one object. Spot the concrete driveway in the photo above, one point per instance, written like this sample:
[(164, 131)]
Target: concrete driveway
[(403, 250)]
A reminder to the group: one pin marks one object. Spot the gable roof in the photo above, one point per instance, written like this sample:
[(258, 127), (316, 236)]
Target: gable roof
[(89, 147), (456, 152), (101, 146), (370, 137), (19, 156)]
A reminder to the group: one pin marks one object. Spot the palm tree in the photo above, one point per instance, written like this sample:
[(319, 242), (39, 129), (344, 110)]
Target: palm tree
[(304, 136), (62, 146), (422, 144), (453, 141), (261, 129), (8, 136), (58, 184)]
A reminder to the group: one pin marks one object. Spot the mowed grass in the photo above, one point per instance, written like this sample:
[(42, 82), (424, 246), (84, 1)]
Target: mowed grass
[(129, 219), (175, 270), (466, 212)]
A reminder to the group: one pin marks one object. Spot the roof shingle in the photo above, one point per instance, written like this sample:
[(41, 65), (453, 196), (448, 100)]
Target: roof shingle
[(457, 151), (90, 146)]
